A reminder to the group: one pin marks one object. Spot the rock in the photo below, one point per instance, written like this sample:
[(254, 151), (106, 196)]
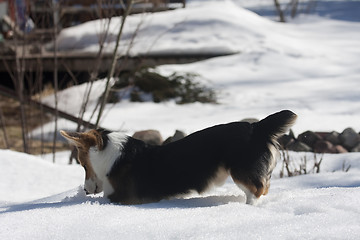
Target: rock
[(339, 149), (323, 146), (177, 136), (291, 134), (168, 140), (322, 134), (152, 137), (286, 139), (298, 146), (349, 138), (356, 148), (250, 120), (333, 137), (309, 138)]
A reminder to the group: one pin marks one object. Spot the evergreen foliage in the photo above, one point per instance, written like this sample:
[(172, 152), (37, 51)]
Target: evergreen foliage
[(184, 88)]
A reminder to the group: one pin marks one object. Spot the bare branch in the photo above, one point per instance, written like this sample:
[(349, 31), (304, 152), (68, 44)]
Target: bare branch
[(56, 20), (279, 11), (3, 127), (113, 62)]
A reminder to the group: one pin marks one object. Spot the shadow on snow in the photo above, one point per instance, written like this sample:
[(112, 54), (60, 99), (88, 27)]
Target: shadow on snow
[(81, 198)]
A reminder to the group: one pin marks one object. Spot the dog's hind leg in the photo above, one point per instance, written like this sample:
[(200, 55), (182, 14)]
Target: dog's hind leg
[(249, 192), (252, 191)]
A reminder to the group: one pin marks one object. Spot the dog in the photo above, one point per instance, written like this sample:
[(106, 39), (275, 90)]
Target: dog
[(130, 171)]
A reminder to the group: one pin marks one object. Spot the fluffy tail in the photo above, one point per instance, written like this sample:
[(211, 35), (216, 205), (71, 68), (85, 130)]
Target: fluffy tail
[(275, 125)]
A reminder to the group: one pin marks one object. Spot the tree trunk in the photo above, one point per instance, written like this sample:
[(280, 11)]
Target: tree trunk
[(279, 11), (55, 19)]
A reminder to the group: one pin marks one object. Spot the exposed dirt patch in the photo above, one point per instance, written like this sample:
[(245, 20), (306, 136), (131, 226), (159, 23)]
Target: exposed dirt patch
[(11, 124)]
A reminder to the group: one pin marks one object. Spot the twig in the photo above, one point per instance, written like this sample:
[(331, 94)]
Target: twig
[(3, 127), (113, 63), (347, 168), (55, 20), (317, 164), (280, 12), (19, 86)]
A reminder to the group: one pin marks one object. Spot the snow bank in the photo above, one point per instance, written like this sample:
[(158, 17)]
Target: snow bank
[(217, 26), (321, 206), (25, 177), (309, 66)]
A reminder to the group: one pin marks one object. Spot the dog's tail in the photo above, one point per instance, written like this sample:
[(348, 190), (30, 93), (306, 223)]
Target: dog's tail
[(275, 125)]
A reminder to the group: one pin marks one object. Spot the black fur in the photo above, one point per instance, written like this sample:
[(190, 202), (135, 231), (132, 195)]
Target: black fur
[(145, 173), (103, 134)]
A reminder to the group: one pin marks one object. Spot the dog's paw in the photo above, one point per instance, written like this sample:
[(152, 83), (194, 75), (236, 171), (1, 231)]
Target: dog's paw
[(251, 200)]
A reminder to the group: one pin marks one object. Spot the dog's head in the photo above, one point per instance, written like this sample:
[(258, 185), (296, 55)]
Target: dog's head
[(84, 142)]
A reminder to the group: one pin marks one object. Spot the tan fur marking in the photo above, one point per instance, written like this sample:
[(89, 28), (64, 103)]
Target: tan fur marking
[(98, 139), (260, 192), (252, 188), (266, 190), (83, 141)]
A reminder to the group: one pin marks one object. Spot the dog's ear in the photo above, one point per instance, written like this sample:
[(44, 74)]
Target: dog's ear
[(97, 138), (74, 138), (84, 140)]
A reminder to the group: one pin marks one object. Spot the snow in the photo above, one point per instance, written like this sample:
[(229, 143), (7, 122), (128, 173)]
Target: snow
[(24, 177), (164, 32), (309, 65), (47, 202)]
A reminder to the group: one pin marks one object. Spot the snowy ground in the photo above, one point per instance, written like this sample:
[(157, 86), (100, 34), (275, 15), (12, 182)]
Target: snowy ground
[(310, 65), (40, 200)]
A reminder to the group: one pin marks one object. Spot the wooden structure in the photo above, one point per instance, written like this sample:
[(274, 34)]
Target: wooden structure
[(85, 62), (72, 12), (28, 49)]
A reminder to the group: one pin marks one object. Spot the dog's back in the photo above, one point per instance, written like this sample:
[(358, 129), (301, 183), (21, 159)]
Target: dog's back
[(243, 150)]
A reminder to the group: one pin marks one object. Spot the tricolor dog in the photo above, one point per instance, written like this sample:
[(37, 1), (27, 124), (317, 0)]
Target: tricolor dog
[(130, 171)]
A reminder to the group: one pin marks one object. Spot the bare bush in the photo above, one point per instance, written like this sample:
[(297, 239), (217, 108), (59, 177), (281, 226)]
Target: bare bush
[(294, 168), (292, 8)]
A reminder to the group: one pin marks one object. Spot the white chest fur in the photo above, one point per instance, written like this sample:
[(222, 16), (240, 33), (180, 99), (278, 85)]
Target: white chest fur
[(102, 161)]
